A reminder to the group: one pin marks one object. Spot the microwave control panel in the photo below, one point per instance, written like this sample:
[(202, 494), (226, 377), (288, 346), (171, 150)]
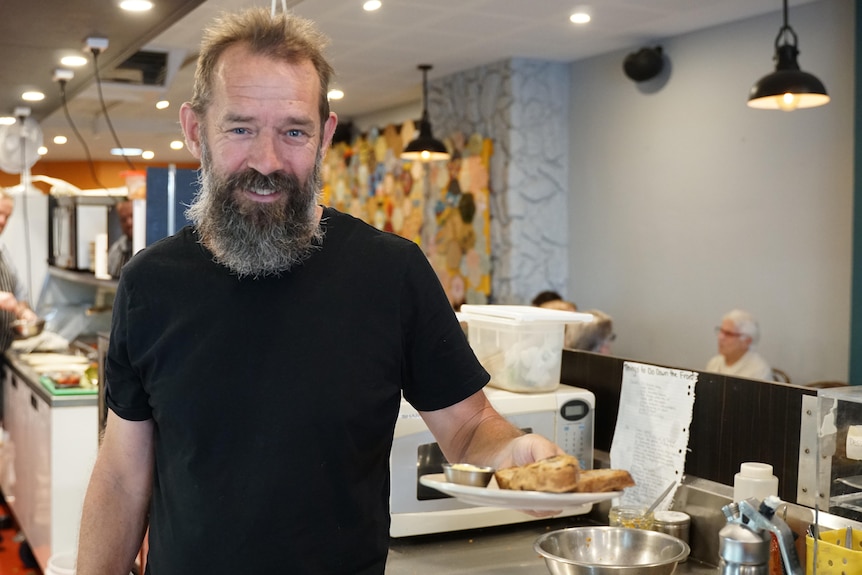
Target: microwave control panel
[(575, 429)]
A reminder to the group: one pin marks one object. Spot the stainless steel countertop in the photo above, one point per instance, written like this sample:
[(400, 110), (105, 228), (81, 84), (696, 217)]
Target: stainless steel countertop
[(499, 550)]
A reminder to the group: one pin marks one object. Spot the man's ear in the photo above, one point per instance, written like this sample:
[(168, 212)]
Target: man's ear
[(192, 126), (328, 131)]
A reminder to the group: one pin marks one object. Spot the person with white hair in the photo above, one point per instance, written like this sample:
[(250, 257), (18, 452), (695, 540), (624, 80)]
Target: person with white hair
[(737, 336)]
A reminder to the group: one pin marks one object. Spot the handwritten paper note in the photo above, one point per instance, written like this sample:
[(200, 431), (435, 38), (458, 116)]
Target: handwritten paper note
[(651, 436)]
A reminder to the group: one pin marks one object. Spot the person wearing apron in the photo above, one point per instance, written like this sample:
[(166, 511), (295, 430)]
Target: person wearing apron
[(13, 291)]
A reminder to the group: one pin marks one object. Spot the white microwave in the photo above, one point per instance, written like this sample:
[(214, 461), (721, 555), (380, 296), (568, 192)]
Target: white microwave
[(565, 415)]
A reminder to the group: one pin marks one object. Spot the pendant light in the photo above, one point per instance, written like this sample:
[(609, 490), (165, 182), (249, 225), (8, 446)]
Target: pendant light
[(425, 147), (788, 88)]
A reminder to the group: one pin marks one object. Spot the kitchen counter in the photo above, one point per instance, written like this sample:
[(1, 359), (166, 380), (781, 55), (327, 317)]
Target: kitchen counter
[(30, 376), (50, 445), (500, 550)]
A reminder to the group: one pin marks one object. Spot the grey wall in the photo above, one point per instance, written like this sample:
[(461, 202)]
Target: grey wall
[(684, 203)]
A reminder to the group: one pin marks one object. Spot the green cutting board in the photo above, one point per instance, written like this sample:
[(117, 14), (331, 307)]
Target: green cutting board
[(85, 389)]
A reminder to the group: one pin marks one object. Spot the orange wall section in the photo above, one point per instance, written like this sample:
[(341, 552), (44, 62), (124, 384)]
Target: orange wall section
[(109, 174)]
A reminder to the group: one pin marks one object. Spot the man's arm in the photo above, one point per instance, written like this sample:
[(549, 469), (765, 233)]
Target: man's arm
[(8, 302), (114, 519), (472, 431)]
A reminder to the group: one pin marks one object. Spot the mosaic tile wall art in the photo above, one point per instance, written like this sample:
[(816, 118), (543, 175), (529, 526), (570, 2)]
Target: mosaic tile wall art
[(442, 206)]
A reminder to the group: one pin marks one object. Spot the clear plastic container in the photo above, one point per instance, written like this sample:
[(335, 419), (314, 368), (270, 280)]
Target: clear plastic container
[(520, 346)]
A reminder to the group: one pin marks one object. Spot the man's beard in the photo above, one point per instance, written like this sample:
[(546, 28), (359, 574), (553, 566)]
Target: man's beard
[(257, 239)]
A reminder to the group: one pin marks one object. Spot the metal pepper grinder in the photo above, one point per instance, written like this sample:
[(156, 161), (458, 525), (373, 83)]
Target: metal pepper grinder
[(744, 541)]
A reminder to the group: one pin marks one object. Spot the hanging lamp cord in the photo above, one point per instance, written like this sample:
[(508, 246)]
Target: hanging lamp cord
[(425, 68), (283, 7), (786, 30), (25, 181)]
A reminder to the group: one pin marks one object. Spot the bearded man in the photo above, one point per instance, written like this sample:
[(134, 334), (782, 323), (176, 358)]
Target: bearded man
[(258, 357)]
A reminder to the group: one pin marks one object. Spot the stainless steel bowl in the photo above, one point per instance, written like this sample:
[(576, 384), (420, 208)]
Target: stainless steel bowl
[(467, 474), (610, 551), (27, 328)]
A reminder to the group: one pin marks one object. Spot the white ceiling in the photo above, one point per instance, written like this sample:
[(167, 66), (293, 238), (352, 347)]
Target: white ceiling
[(375, 54)]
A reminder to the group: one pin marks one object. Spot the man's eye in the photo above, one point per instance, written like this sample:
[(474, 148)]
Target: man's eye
[(295, 133), (239, 131)]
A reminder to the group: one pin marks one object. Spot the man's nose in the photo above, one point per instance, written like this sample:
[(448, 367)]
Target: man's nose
[(264, 155)]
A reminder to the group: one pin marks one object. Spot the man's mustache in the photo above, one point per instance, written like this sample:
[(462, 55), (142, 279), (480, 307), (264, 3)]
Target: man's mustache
[(251, 179)]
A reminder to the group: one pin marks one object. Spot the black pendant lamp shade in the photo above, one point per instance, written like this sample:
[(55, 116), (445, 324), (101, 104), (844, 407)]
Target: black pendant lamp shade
[(425, 147), (788, 88)]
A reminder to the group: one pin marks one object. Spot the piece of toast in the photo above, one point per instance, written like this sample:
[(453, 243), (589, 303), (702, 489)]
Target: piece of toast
[(603, 480), (557, 474)]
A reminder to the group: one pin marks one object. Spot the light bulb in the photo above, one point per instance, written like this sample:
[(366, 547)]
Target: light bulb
[(787, 102)]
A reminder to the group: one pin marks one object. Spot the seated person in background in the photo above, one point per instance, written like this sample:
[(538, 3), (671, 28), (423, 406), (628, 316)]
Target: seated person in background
[(545, 296), (121, 250), (595, 335), (559, 304), (553, 300), (737, 336)]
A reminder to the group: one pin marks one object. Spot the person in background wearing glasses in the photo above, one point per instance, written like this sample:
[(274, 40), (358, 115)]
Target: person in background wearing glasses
[(595, 336), (737, 337)]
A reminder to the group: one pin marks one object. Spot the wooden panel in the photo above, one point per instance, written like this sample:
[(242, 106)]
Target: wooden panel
[(734, 419)]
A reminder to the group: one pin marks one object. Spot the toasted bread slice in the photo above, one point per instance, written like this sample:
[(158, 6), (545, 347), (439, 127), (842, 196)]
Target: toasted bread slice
[(603, 480), (557, 474)]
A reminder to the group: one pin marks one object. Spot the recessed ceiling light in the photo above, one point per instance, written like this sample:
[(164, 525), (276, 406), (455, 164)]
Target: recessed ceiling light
[(580, 17), (73, 61), (60, 140), (33, 96), (335, 94), (126, 151), (162, 104), (148, 154), (42, 150), (177, 145), (136, 5), (7, 120), (372, 5)]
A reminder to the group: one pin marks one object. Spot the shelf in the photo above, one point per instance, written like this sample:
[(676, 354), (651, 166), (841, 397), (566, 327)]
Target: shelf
[(87, 278)]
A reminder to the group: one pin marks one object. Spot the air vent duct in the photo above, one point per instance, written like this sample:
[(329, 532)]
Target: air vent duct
[(144, 68), (150, 69)]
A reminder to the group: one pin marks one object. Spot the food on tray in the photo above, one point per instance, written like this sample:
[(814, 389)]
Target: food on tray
[(65, 378), (562, 474)]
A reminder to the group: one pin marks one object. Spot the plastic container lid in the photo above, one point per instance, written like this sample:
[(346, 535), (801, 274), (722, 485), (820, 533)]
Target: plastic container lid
[(672, 517), (522, 314), (756, 470)]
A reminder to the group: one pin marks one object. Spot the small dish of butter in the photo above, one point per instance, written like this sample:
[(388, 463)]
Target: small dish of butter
[(468, 474)]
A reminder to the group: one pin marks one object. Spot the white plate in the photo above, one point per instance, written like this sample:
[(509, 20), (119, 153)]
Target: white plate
[(493, 496), (44, 359)]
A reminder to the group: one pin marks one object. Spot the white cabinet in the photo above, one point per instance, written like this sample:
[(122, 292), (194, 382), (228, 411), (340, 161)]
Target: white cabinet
[(53, 442)]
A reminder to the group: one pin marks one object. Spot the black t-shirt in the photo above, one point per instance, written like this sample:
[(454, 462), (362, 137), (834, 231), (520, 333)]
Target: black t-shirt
[(274, 400)]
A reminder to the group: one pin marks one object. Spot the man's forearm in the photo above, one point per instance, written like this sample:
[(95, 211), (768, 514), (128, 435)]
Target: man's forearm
[(112, 528)]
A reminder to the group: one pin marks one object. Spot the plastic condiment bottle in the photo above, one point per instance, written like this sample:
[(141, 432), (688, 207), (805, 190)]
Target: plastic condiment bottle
[(754, 480)]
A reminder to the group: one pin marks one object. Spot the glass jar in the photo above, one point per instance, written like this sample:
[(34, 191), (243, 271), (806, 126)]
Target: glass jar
[(630, 516)]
